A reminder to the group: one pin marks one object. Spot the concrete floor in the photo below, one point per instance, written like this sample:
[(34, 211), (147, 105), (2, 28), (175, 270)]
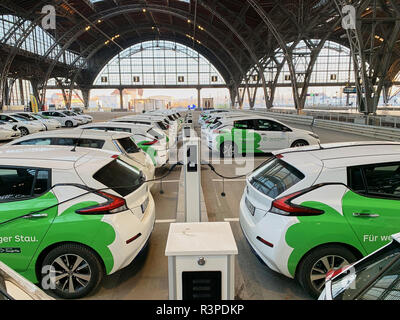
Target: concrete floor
[(147, 277)]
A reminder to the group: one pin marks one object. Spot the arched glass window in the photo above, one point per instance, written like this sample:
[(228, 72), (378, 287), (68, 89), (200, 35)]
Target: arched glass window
[(334, 65), (38, 41), (159, 63)]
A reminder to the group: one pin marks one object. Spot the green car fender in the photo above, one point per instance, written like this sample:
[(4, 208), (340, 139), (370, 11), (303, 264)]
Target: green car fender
[(88, 230), (149, 150), (313, 231), (241, 139)]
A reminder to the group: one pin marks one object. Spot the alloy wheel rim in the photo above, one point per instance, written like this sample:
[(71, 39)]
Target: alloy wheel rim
[(72, 273), (228, 150), (322, 267)]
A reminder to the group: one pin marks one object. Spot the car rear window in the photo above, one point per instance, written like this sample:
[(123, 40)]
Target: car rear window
[(128, 145), (276, 177), (162, 125), (120, 177), (155, 134)]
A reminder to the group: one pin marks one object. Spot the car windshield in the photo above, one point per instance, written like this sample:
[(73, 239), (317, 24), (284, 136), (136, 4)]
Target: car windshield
[(377, 277), (69, 113), (162, 125), (19, 118), (129, 145), (216, 125), (157, 135), (276, 177), (120, 177)]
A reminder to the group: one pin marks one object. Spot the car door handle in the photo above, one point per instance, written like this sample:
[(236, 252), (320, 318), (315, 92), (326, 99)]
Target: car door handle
[(36, 216), (365, 215)]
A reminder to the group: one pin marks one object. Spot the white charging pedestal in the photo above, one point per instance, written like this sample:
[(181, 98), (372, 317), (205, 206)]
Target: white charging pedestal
[(192, 172), (201, 261)]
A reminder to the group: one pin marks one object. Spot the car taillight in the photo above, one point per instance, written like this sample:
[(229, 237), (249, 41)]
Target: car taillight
[(284, 206), (150, 143), (113, 205), (217, 131)]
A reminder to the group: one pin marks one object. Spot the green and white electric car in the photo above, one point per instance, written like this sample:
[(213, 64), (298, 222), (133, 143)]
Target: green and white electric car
[(313, 209), (255, 134), (69, 217), (112, 141), (151, 140)]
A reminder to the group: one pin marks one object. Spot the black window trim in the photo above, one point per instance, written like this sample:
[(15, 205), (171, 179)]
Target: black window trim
[(32, 196), (367, 194), (252, 120)]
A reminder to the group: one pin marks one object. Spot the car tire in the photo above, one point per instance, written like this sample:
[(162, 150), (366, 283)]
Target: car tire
[(77, 284), (334, 256), (69, 124), (226, 146), (299, 143), (24, 131)]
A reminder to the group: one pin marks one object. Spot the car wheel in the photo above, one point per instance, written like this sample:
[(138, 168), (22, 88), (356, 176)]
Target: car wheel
[(69, 124), (24, 131), (228, 149), (312, 270), (299, 143), (77, 270)]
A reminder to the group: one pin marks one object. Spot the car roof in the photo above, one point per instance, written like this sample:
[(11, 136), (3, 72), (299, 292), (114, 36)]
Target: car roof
[(349, 153), (55, 157), (79, 133), (116, 124), (230, 118)]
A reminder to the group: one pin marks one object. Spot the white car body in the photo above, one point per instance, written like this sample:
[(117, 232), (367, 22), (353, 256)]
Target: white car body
[(77, 168), (84, 118), (326, 164), (8, 131), (112, 141), (172, 130), (283, 138), (140, 133), (157, 124), (50, 124), (65, 121), (25, 126)]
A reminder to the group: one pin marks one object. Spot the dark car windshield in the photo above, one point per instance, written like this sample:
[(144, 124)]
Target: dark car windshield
[(128, 145), (375, 278), (120, 177), (162, 125)]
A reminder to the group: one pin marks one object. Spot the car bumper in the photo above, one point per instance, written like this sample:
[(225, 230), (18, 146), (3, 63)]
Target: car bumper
[(127, 225), (271, 228), (162, 158), (10, 135)]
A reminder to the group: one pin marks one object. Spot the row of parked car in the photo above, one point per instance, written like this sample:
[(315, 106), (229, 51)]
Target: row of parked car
[(231, 133), (311, 212), (76, 204), (14, 125)]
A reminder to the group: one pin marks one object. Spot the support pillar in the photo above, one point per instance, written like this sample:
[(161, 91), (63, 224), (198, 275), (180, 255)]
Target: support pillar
[(121, 98), (199, 98), (85, 97), (21, 91)]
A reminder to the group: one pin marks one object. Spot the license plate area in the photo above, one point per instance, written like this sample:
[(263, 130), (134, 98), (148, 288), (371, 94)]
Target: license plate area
[(250, 207)]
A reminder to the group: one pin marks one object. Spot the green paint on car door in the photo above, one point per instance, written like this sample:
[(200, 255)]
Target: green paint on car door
[(313, 231), (374, 220), (22, 237)]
